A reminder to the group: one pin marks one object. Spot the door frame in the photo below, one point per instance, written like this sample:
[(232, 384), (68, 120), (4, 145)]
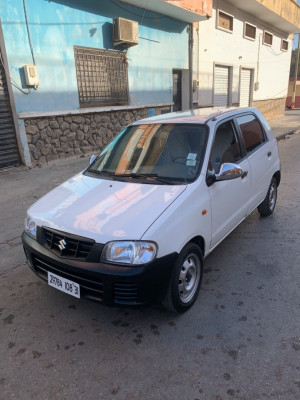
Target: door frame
[(20, 146), (252, 70), (230, 79)]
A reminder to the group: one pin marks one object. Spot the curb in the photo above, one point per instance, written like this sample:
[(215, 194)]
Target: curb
[(286, 135)]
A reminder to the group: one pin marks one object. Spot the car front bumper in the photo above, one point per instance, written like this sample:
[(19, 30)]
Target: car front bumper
[(109, 284)]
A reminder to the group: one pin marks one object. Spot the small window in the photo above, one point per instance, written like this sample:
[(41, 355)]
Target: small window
[(102, 77), (225, 148), (249, 31), (225, 21), (252, 132), (268, 38), (284, 45)]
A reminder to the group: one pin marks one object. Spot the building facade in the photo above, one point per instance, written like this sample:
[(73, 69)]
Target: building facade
[(242, 54), (74, 73)]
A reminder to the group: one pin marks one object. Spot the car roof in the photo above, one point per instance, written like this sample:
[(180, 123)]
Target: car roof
[(197, 116)]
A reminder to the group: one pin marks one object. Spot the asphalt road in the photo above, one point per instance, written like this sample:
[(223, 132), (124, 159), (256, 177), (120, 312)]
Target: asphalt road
[(241, 339)]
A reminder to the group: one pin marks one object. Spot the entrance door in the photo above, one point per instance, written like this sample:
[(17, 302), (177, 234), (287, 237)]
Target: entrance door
[(245, 87), (177, 90), (9, 155), (222, 86)]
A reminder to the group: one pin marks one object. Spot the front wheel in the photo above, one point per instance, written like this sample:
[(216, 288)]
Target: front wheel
[(267, 207), (185, 281)]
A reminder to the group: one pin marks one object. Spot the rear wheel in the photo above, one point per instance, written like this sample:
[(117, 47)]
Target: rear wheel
[(185, 280), (267, 207)]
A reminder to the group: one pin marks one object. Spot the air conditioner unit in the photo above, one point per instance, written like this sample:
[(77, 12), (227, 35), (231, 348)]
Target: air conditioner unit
[(125, 32)]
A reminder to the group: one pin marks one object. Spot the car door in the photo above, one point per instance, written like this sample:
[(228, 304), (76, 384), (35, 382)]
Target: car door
[(229, 199), (259, 154)]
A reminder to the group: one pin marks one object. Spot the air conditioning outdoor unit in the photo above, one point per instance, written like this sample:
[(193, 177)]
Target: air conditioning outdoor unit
[(125, 32)]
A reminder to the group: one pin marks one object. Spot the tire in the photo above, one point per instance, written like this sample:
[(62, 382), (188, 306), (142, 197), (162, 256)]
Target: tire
[(267, 207), (185, 281)]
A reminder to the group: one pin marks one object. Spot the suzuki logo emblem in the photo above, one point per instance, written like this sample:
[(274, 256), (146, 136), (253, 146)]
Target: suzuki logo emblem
[(62, 244)]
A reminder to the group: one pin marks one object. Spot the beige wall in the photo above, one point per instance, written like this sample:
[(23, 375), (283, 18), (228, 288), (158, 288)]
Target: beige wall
[(291, 86), (201, 7), (287, 9)]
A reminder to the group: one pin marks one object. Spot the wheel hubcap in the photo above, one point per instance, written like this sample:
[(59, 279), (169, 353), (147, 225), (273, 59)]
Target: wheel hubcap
[(272, 196), (189, 278)]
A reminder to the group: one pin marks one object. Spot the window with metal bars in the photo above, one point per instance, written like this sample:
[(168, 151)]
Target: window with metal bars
[(284, 45), (268, 38), (102, 77), (249, 31), (225, 21)]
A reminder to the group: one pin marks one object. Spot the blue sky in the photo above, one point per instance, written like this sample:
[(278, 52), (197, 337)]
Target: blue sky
[(295, 43)]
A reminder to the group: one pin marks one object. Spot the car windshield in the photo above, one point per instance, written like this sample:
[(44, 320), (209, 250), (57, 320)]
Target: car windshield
[(165, 153)]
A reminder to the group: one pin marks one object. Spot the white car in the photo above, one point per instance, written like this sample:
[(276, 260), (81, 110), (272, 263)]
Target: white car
[(134, 227)]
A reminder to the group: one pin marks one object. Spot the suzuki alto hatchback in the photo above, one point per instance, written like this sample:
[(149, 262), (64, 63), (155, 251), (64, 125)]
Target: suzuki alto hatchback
[(134, 227)]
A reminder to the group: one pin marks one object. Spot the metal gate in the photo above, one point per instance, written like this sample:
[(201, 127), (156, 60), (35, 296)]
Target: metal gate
[(245, 87), (9, 155), (177, 90), (221, 86)]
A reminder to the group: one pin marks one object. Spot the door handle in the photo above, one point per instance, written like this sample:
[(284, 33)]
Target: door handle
[(269, 154), (244, 174)]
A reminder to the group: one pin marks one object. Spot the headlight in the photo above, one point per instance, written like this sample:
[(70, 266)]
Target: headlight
[(129, 252), (30, 226)]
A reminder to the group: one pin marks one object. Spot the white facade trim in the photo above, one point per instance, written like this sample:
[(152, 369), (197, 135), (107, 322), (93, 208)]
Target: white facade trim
[(91, 110)]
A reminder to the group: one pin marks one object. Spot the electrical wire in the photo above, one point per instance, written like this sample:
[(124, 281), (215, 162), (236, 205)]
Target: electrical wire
[(145, 9), (11, 79), (28, 32), (137, 15)]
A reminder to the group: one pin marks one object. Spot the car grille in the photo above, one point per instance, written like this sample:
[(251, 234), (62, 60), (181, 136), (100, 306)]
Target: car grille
[(90, 288), (66, 245), (126, 293)]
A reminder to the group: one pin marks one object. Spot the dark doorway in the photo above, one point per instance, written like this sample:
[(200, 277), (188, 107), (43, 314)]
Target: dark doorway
[(177, 89), (9, 155)]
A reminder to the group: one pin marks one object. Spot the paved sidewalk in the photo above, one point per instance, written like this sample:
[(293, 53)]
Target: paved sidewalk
[(286, 125)]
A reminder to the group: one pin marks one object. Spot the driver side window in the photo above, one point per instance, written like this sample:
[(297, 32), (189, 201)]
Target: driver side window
[(225, 148)]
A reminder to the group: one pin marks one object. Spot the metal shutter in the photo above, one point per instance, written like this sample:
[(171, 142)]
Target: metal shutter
[(9, 155), (245, 87), (221, 86)]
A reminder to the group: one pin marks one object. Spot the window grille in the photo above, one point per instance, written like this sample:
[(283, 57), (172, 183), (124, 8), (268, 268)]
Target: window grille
[(268, 38), (250, 31), (225, 21), (284, 45), (102, 76)]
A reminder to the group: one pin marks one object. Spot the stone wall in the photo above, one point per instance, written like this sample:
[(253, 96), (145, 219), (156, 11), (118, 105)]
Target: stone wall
[(270, 108), (51, 138)]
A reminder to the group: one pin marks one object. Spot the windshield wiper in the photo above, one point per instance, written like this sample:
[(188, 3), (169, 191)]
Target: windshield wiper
[(144, 176), (96, 171)]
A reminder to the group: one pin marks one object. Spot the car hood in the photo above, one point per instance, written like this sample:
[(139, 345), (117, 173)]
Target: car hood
[(103, 209)]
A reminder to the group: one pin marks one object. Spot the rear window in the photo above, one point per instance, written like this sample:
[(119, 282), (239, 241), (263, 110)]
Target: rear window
[(252, 131)]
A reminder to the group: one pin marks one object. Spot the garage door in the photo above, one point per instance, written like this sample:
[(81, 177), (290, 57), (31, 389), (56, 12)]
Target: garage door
[(245, 87), (9, 155), (221, 86)]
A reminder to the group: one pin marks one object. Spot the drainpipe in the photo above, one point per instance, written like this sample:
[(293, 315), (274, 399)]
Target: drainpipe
[(191, 45), (296, 73)]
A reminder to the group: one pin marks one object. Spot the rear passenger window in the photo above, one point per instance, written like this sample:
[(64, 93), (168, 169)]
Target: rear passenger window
[(252, 132)]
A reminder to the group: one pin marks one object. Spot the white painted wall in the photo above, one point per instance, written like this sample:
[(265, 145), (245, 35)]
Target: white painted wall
[(212, 45)]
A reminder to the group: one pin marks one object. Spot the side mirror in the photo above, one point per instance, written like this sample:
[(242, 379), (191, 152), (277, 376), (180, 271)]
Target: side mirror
[(229, 171), (92, 159)]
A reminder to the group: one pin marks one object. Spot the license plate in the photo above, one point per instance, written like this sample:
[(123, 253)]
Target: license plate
[(64, 285)]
